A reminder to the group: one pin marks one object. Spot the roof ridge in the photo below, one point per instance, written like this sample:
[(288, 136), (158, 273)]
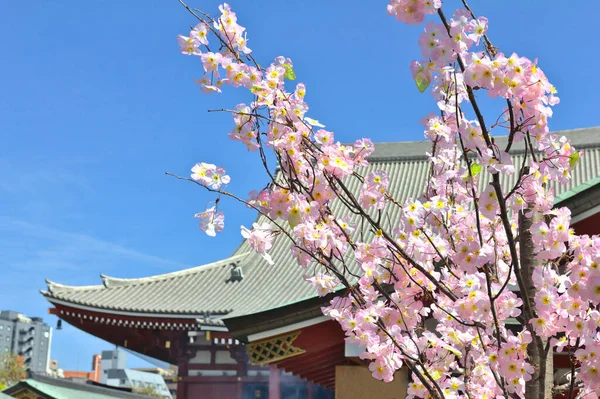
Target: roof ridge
[(110, 282), (581, 138), (56, 287), (114, 282), (557, 132)]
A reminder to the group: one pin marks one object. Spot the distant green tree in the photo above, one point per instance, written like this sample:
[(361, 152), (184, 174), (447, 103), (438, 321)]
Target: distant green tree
[(148, 391), (12, 370)]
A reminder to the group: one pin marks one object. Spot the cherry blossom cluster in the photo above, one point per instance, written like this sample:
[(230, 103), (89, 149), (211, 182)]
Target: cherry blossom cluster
[(260, 238), (212, 220), (413, 11), (442, 290), (233, 39)]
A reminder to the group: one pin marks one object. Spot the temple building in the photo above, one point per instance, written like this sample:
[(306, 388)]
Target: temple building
[(241, 328)]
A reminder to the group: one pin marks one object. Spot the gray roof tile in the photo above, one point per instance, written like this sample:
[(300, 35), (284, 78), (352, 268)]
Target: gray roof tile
[(203, 290)]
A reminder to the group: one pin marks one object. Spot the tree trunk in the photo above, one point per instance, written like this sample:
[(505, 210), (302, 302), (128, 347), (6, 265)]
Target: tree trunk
[(540, 386)]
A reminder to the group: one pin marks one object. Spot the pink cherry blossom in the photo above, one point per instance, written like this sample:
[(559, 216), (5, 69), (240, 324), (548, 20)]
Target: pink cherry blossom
[(200, 33), (210, 175), (211, 221), (260, 238), (188, 45)]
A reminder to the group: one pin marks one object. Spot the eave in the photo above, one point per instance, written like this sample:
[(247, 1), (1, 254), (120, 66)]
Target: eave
[(157, 338), (243, 327)]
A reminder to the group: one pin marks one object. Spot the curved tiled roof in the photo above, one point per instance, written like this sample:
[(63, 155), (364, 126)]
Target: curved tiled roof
[(172, 293), (61, 388), (205, 290)]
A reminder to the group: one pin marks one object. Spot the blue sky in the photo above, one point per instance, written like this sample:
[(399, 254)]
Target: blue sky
[(97, 104)]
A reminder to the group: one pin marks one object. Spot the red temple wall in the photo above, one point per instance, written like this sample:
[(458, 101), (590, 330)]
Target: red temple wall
[(590, 225)]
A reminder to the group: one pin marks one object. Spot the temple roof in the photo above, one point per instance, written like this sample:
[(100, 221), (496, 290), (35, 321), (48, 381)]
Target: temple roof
[(59, 388), (205, 291)]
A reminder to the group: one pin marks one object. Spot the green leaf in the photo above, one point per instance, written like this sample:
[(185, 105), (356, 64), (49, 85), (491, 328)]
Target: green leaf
[(435, 374), (455, 351), (256, 89), (573, 159), (289, 72), (475, 169), (293, 220), (422, 81)]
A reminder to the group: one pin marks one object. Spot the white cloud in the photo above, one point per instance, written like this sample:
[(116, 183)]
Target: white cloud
[(31, 248), (31, 252), (27, 179)]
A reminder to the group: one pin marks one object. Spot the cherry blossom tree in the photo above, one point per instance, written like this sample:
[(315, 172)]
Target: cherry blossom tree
[(431, 291)]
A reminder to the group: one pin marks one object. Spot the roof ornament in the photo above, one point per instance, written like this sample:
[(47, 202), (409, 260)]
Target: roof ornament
[(236, 273), (105, 280), (51, 286)]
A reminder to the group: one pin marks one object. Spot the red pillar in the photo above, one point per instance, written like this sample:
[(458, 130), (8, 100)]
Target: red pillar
[(238, 388), (274, 383), (181, 383)]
